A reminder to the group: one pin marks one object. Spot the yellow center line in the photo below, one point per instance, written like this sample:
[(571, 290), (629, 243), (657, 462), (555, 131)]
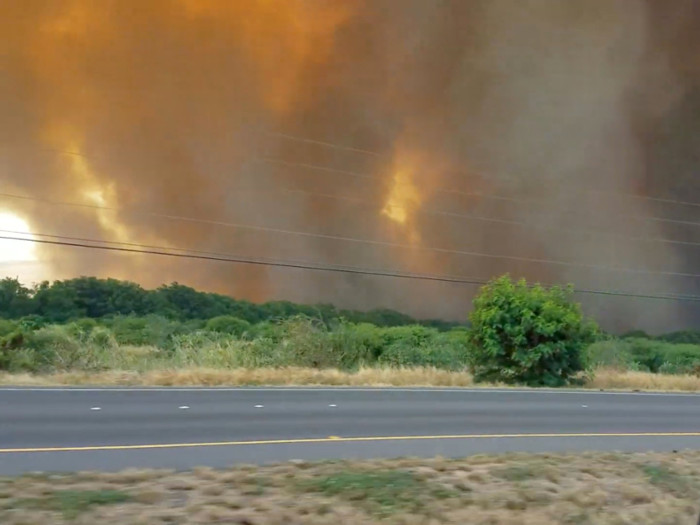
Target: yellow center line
[(335, 439)]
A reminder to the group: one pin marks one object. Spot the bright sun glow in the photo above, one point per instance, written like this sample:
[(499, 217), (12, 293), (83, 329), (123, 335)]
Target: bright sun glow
[(11, 250)]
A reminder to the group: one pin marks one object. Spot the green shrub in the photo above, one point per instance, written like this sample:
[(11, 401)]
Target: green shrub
[(152, 330), (528, 335), (227, 324), (7, 327), (32, 322), (413, 335), (266, 330), (446, 351), (610, 353), (648, 354), (100, 338), (81, 327), (683, 337), (442, 356), (356, 344), (680, 359), (10, 346), (54, 346), (307, 343)]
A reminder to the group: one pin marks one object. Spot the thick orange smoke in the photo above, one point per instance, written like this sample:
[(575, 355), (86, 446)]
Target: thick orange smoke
[(186, 108)]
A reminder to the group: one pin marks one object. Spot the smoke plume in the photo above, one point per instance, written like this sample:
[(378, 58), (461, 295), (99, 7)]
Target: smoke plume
[(525, 131)]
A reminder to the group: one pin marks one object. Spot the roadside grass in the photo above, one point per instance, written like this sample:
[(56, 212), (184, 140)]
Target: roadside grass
[(381, 493), (605, 379), (72, 503), (508, 489), (669, 480), (612, 379)]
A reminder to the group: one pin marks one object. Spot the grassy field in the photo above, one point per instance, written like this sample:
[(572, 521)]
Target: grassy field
[(513, 489)]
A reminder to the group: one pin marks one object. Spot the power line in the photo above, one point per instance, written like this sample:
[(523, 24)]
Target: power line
[(481, 174), (152, 247), (315, 267), (437, 190), (462, 193), (473, 194), (380, 179), (374, 242), (327, 144), (421, 211)]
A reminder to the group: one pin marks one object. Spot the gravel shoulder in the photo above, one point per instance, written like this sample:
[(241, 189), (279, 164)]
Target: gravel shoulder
[(510, 489)]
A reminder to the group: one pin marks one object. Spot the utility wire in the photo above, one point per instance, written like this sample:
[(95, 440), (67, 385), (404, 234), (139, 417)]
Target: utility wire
[(163, 251), (470, 194), (420, 211), (437, 190), (26, 235), (462, 193), (374, 242), (374, 177), (480, 174), (326, 144), (481, 194)]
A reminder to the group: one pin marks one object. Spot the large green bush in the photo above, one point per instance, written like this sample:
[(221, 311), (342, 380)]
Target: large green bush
[(528, 334)]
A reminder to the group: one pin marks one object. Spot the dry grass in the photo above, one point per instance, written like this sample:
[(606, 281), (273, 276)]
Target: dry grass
[(626, 380), (255, 376), (513, 489), (606, 379)]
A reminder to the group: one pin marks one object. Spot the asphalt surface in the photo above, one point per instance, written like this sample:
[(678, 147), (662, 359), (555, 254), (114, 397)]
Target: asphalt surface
[(110, 429)]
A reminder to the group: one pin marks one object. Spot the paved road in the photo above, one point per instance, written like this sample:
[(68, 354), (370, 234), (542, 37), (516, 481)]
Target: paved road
[(107, 429)]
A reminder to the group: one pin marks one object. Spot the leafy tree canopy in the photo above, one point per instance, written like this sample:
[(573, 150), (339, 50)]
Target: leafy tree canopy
[(90, 297)]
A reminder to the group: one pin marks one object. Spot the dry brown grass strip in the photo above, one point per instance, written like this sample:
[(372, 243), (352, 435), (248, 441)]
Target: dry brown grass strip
[(619, 380), (509, 489), (398, 377), (259, 376)]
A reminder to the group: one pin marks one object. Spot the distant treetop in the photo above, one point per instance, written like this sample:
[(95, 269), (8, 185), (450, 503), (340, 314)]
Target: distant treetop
[(90, 297)]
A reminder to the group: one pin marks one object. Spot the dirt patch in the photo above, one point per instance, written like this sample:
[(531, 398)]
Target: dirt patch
[(545, 489)]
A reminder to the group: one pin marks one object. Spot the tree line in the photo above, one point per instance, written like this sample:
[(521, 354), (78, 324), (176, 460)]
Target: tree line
[(89, 297)]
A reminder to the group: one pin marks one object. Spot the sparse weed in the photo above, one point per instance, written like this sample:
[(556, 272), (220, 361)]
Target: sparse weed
[(72, 503), (668, 480), (380, 492)]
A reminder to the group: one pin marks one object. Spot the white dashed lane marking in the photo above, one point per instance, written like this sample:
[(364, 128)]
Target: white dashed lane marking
[(95, 408), (184, 407)]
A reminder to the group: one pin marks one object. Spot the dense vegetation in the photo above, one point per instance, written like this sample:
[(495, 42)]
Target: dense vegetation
[(89, 297), (518, 334), (132, 343)]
